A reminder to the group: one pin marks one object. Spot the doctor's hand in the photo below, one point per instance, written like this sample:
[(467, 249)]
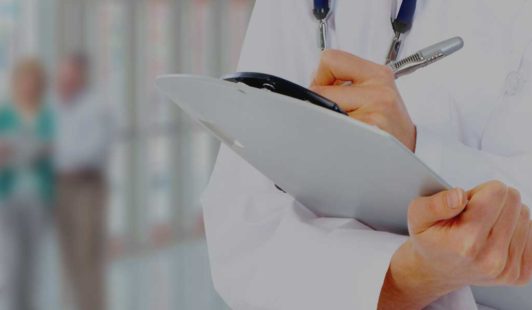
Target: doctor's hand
[(482, 237), (371, 96)]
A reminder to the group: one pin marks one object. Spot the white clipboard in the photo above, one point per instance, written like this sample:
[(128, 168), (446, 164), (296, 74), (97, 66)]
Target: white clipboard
[(332, 164)]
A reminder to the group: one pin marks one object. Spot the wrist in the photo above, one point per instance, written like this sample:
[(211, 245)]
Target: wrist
[(411, 282)]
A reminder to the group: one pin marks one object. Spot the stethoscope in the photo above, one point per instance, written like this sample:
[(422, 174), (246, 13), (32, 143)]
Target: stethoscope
[(401, 24)]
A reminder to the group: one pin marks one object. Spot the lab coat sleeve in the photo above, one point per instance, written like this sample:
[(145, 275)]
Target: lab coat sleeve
[(505, 152), (267, 251)]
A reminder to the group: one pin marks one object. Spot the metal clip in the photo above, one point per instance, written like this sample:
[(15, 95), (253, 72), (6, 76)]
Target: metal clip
[(426, 56)]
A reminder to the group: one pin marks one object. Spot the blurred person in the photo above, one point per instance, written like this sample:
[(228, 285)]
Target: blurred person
[(26, 182), (82, 145)]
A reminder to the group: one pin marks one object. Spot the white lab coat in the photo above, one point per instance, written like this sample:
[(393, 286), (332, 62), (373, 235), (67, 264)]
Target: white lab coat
[(473, 113)]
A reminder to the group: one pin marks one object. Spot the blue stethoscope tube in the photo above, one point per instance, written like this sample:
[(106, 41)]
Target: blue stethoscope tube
[(405, 18), (401, 24)]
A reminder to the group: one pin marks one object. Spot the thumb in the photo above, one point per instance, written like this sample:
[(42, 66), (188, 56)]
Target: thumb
[(424, 212)]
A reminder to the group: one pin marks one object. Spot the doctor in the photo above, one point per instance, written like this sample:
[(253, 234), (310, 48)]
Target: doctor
[(467, 118)]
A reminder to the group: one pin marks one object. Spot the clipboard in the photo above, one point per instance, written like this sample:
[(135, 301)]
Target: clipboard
[(334, 165)]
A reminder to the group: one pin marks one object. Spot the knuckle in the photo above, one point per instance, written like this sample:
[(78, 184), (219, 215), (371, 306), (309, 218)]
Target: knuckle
[(510, 276), (327, 55), (493, 265), (388, 96), (522, 282), (524, 278), (385, 72), (524, 216), (513, 275), (514, 196), (525, 213), (497, 188), (515, 208), (469, 247), (492, 195), (471, 242)]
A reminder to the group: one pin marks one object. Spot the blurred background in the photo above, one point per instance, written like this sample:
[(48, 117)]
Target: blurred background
[(156, 164)]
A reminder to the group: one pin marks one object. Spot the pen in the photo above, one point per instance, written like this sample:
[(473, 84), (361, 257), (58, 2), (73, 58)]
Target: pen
[(426, 56)]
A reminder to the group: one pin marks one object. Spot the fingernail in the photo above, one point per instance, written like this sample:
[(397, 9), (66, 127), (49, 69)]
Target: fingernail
[(455, 198)]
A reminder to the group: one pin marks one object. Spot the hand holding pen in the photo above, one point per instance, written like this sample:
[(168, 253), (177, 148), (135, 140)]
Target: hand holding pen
[(367, 92), (372, 96)]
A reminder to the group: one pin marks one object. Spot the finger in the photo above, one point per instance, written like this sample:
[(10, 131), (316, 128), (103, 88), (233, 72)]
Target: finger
[(337, 65), (485, 204), (526, 260), (497, 249), (512, 270), (425, 212), (504, 228), (348, 98)]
